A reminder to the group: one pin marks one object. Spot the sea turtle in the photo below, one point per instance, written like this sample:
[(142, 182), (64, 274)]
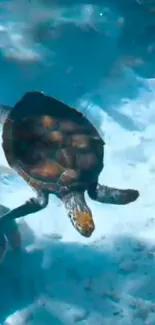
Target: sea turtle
[(55, 149)]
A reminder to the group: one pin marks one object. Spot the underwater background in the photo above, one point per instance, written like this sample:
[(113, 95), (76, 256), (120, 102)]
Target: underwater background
[(98, 56)]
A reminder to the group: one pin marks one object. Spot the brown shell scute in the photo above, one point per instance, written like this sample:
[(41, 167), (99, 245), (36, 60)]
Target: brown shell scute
[(66, 157), (48, 171), (56, 145), (70, 126), (69, 176), (56, 137), (80, 141), (48, 122), (86, 161)]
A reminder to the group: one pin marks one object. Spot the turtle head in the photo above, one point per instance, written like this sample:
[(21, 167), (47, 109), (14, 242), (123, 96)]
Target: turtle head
[(79, 213)]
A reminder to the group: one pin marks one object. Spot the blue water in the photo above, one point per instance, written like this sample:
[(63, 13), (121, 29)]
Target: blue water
[(101, 52), (76, 58)]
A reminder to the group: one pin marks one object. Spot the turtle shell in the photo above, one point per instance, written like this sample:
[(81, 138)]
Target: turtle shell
[(51, 145)]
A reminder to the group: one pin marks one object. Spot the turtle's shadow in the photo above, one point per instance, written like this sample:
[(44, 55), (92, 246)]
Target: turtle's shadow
[(90, 279)]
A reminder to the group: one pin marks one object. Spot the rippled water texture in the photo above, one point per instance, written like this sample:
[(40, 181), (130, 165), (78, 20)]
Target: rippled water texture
[(98, 57)]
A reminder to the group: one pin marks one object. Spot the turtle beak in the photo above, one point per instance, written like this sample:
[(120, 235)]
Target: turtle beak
[(82, 222)]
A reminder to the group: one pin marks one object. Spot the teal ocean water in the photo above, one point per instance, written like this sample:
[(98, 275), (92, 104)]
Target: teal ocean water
[(97, 56)]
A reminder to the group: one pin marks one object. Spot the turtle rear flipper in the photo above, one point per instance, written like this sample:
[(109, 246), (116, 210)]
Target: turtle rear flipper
[(9, 231), (112, 195)]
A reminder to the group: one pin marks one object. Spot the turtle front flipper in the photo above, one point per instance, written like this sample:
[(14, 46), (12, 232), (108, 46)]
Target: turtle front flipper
[(79, 213), (111, 195), (31, 206)]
